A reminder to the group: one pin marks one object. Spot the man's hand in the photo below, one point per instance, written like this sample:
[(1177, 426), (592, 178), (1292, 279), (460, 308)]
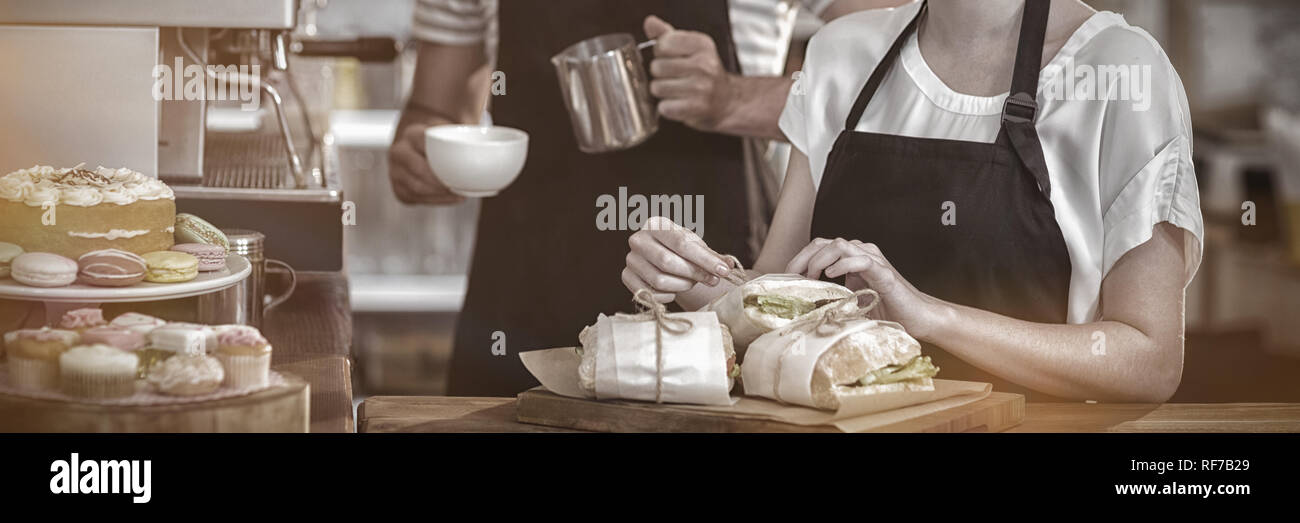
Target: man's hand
[(408, 170), (688, 76)]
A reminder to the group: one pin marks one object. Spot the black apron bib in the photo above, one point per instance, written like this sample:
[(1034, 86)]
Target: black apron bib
[(1004, 253), (541, 269)]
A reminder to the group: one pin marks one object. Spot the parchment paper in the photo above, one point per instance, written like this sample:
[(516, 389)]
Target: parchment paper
[(694, 365), (557, 370)]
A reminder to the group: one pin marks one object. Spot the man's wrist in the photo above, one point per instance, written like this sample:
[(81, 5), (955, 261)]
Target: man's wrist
[(751, 105), (416, 113), (730, 113)]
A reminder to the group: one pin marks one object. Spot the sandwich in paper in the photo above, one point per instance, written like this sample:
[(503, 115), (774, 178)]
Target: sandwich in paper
[(825, 361), (773, 301), (686, 357)]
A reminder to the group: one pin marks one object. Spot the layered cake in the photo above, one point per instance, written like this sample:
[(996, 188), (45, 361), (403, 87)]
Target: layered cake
[(73, 211)]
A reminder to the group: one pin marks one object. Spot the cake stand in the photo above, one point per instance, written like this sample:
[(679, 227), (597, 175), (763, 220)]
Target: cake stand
[(58, 300), (281, 408)]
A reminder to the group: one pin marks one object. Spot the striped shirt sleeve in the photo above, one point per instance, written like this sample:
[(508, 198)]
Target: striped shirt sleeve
[(453, 22)]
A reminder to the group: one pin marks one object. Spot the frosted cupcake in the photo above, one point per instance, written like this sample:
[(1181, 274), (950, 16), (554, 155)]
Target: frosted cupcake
[(246, 356), (177, 338), (34, 356), (187, 375), (97, 371), (120, 338), (82, 320)]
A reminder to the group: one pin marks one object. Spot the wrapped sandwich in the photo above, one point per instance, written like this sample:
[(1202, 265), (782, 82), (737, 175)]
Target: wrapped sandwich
[(773, 301), (658, 356), (825, 361)]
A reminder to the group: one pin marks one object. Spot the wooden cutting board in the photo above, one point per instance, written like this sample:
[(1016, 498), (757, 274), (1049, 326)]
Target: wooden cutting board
[(995, 413)]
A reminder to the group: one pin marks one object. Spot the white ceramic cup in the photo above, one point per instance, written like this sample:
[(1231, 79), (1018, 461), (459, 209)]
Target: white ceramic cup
[(475, 161)]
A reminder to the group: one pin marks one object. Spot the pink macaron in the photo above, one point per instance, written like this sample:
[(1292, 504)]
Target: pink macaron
[(111, 268), (40, 269), (211, 257)]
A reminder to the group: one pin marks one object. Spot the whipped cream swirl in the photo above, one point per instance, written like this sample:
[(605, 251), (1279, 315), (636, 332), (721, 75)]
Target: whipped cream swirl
[(43, 184)]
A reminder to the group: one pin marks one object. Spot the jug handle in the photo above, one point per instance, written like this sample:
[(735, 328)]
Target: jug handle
[(273, 302)]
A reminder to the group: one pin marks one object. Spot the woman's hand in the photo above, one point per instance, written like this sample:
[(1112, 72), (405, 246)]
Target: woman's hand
[(668, 258), (866, 267)]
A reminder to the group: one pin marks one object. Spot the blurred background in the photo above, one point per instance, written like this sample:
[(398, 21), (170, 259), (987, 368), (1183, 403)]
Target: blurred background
[(1239, 61)]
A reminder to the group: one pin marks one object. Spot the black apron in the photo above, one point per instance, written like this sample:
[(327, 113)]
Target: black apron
[(1004, 252), (541, 269)]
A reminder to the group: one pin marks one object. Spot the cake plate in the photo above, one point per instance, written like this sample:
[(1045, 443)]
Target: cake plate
[(58, 300)]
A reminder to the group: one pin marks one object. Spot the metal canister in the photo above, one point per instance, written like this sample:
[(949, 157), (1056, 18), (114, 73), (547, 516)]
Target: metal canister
[(245, 303)]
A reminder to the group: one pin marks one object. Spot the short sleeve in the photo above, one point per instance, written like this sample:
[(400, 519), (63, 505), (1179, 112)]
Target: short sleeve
[(792, 121), (1146, 171), (453, 22)]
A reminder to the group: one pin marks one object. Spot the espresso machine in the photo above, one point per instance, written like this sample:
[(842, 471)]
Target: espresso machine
[(200, 94), (115, 83)]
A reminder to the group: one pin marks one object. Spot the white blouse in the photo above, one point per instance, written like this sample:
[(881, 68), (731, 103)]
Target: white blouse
[(1120, 161)]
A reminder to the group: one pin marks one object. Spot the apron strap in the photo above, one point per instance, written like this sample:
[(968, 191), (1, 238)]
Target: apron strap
[(1021, 107), (878, 75)]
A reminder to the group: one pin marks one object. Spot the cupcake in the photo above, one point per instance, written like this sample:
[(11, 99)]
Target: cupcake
[(177, 338), (246, 355), (187, 375), (81, 320), (97, 371), (34, 356), (120, 338), (137, 322)]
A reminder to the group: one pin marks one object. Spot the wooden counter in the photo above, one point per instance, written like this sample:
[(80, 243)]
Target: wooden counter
[(456, 414), (312, 336)]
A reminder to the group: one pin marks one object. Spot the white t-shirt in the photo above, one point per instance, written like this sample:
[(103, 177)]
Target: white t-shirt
[(1117, 166)]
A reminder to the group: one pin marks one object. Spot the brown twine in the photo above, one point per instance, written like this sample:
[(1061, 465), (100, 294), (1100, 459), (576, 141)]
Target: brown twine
[(652, 310), (736, 276), (833, 317)]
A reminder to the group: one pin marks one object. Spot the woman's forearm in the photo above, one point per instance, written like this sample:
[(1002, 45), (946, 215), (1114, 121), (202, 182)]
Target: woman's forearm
[(1103, 360)]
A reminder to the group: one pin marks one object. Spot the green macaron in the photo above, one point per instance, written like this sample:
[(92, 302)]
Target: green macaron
[(192, 229)]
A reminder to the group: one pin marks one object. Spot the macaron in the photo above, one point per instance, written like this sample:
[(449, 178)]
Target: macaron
[(110, 268), (192, 229), (170, 267), (211, 257), (8, 252), (40, 269)]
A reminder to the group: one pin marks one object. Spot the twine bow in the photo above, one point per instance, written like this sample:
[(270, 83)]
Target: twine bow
[(652, 310), (835, 316), (737, 275), (832, 317)]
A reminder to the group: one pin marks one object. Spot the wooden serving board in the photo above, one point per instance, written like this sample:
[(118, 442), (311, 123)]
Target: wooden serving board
[(995, 413), (278, 409)]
